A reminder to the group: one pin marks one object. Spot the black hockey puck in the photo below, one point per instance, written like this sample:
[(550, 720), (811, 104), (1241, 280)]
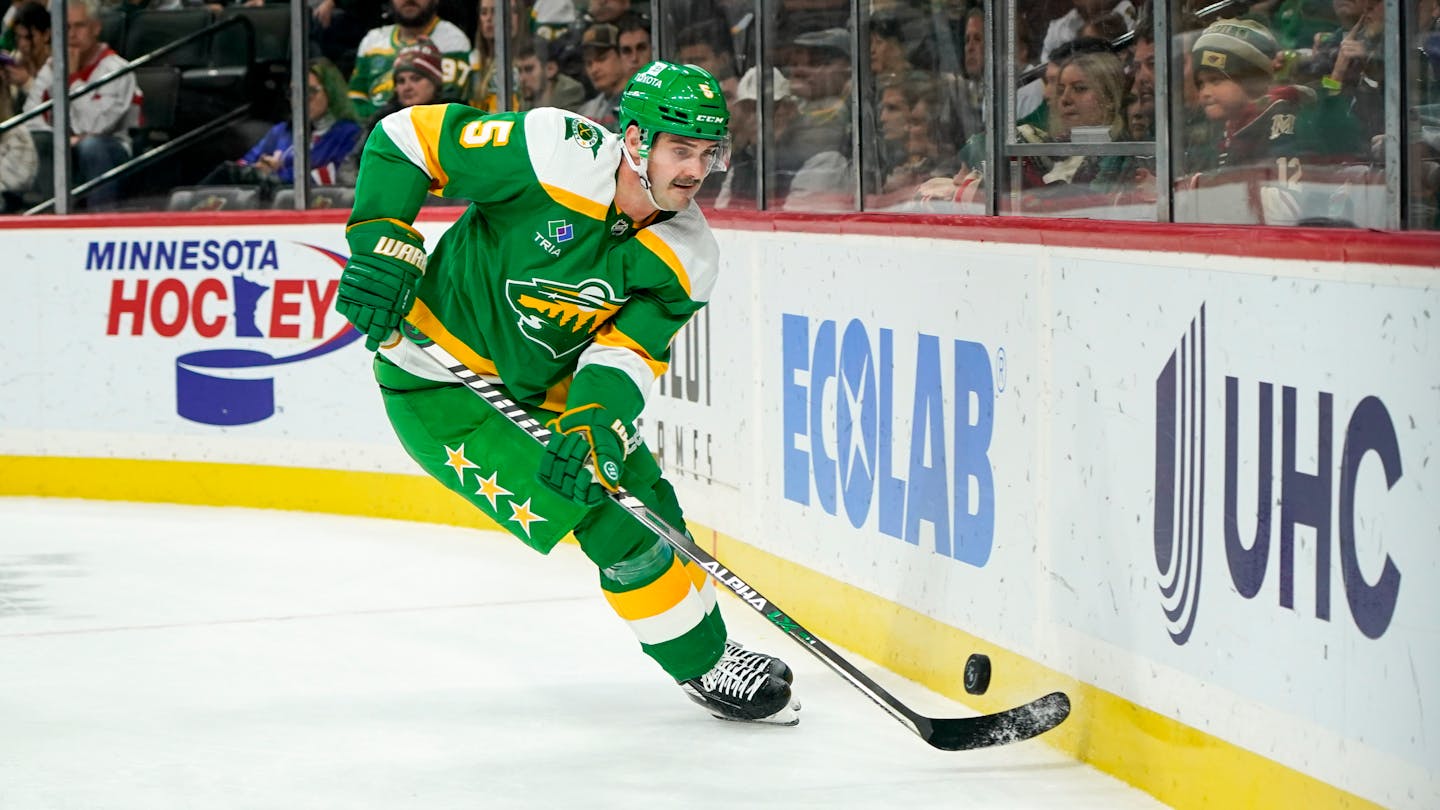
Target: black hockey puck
[(977, 674)]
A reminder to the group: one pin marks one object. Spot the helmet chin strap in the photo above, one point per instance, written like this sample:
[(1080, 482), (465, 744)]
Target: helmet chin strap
[(642, 170)]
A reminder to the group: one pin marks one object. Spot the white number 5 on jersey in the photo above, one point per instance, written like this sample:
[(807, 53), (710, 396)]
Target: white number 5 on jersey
[(482, 133)]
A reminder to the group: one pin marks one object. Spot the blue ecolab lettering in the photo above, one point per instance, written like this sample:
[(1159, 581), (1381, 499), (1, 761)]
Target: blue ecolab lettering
[(822, 368), (891, 490), (974, 517), (795, 402), (855, 428), (929, 497)]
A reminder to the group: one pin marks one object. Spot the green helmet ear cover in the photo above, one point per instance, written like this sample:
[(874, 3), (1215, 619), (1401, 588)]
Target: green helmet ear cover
[(683, 100)]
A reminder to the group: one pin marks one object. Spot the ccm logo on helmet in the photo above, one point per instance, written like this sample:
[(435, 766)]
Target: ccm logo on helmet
[(710, 119)]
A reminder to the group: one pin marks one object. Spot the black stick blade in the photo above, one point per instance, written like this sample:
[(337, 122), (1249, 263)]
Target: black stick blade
[(1012, 725)]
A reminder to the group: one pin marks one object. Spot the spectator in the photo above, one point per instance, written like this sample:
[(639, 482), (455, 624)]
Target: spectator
[(1065, 28), (100, 121), (1232, 63), (707, 45), (570, 53), (270, 163), (338, 26), (1351, 62), (483, 86), (820, 78), (550, 19), (541, 83), (606, 70), (32, 75), (634, 43), (739, 188), (18, 159), (372, 85), (889, 52)]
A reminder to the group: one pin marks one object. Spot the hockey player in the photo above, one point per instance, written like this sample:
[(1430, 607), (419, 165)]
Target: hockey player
[(565, 280)]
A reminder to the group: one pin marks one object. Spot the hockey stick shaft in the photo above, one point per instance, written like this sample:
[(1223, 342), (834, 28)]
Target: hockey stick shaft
[(960, 733)]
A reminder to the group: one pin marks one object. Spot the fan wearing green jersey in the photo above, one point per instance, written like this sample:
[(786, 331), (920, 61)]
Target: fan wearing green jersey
[(580, 256)]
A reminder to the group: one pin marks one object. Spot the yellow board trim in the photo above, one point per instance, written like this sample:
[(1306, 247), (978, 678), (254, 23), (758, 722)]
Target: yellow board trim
[(387, 495), (651, 600), (1181, 766)]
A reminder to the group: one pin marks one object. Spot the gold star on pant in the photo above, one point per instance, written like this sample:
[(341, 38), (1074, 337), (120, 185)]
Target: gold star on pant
[(491, 489), (520, 513), (458, 462)]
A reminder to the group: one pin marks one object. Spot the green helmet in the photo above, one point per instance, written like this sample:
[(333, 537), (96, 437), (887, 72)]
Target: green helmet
[(680, 99)]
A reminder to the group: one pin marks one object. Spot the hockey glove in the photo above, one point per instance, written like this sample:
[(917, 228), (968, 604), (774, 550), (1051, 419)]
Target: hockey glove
[(377, 287), (586, 454)]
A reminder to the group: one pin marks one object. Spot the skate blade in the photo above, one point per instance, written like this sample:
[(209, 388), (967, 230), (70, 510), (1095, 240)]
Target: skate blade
[(788, 716)]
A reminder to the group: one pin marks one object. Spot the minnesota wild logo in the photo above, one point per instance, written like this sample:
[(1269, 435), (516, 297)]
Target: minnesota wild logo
[(584, 134), (559, 316)]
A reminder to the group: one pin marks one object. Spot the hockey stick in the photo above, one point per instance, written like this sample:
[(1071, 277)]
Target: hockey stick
[(947, 733)]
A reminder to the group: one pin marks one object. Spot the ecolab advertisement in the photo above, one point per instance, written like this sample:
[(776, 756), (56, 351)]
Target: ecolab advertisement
[(1217, 472)]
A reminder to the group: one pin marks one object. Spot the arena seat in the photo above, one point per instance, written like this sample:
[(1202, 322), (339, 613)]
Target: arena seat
[(341, 197), (214, 198), (160, 85), (149, 30)]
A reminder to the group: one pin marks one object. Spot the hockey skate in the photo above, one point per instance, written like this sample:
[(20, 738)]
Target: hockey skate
[(746, 686)]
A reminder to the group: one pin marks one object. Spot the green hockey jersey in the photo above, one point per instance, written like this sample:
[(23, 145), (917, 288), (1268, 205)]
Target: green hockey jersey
[(542, 275)]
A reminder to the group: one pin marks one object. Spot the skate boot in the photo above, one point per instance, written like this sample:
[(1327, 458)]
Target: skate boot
[(741, 687), (769, 663)]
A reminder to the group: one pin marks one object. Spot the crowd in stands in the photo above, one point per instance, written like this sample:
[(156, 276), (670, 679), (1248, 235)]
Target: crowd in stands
[(1282, 101)]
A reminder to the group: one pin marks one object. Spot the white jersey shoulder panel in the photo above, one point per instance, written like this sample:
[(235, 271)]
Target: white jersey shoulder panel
[(574, 158), (687, 245)]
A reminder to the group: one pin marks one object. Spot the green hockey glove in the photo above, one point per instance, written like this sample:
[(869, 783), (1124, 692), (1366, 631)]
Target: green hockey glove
[(586, 454), (377, 287)]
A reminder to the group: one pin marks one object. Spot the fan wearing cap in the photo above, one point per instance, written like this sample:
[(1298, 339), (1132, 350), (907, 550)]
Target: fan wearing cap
[(1232, 67), (605, 68), (580, 256), (419, 74)]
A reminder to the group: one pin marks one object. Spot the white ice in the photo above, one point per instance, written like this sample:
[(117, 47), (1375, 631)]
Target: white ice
[(185, 657)]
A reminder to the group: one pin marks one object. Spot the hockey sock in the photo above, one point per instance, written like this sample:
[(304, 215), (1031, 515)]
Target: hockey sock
[(654, 593)]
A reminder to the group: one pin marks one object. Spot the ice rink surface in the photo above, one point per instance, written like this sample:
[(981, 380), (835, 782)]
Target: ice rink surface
[(203, 658)]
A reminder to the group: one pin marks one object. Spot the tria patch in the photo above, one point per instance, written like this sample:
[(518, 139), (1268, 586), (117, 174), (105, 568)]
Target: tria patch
[(584, 134)]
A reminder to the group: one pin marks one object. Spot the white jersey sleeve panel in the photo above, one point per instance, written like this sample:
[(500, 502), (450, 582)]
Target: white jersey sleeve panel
[(687, 246), (400, 127)]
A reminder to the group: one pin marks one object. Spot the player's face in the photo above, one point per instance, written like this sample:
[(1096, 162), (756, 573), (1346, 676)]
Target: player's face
[(677, 168)]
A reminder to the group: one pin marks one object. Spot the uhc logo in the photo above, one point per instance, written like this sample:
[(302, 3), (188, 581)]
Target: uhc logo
[(215, 289), (944, 476), (1305, 499)]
